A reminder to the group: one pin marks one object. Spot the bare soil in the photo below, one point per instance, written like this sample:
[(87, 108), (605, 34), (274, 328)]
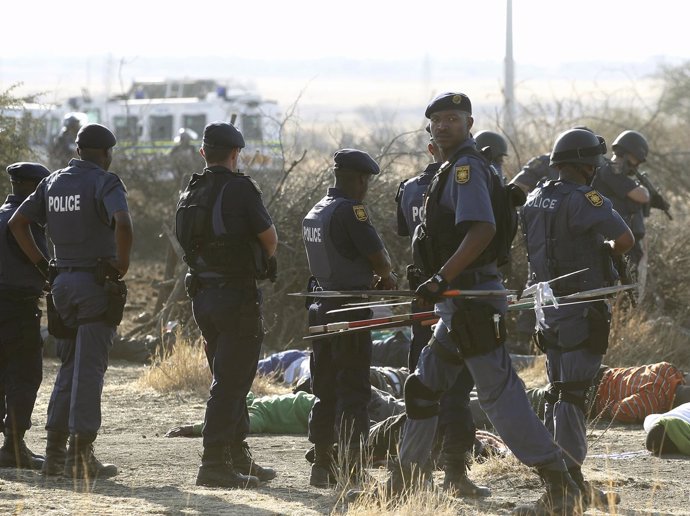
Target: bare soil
[(157, 473)]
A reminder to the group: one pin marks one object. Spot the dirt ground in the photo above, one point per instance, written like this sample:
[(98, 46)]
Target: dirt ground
[(157, 473)]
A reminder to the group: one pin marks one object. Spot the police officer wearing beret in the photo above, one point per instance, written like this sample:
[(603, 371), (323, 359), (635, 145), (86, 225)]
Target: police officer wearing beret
[(345, 253), (236, 246), (21, 285), (85, 210), (570, 227), (456, 426), (460, 227)]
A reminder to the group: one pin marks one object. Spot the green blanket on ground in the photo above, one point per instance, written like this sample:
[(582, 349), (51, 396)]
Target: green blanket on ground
[(278, 414), (679, 432)]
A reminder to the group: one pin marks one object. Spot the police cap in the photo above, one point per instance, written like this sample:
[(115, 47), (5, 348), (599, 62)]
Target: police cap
[(95, 136), (448, 101), (25, 171), (355, 160), (222, 135)]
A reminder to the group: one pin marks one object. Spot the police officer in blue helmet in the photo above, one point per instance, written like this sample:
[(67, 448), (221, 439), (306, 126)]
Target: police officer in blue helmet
[(84, 207), (229, 242), (495, 147), (344, 252), (456, 426), (21, 285), (458, 245), (570, 227)]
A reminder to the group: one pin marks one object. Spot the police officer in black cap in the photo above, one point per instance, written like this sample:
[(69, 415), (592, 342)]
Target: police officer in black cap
[(21, 285), (230, 242), (345, 253), (85, 209), (456, 426), (459, 244), (64, 148)]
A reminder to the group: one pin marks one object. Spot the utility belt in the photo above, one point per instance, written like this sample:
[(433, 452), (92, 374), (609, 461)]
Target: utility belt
[(477, 328), (466, 280), (115, 289), (598, 321), (194, 283)]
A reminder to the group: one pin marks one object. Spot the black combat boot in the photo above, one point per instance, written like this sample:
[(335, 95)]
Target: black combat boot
[(81, 462), (593, 496), (56, 451), (562, 497), (15, 454), (216, 470), (457, 483), (323, 468), (244, 463)]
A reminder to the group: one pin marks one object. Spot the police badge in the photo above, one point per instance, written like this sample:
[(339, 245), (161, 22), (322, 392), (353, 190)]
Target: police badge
[(595, 198), (462, 174), (360, 212)]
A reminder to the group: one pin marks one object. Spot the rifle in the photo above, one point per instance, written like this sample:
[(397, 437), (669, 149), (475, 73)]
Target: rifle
[(656, 199), (622, 265)]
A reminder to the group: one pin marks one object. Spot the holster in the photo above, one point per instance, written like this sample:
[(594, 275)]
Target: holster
[(415, 276), (477, 328), (116, 290), (599, 321), (56, 326), (191, 284)]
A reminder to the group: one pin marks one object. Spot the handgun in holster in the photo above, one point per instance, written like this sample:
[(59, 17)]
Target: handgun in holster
[(115, 288)]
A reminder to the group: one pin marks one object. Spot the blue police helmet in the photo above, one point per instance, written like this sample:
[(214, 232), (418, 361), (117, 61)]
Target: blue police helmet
[(449, 101), (95, 136), (26, 171), (578, 146), (356, 161), (222, 135)]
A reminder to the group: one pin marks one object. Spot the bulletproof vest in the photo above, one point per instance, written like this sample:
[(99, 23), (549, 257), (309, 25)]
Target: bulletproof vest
[(553, 250), (201, 231), (76, 216), (333, 270), (16, 271), (439, 237), (629, 210), (412, 198)]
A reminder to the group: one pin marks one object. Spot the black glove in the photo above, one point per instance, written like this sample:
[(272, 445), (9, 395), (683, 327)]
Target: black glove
[(272, 269), (432, 289), (42, 265)]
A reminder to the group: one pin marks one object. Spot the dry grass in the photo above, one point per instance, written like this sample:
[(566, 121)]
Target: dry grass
[(186, 369), (534, 375)]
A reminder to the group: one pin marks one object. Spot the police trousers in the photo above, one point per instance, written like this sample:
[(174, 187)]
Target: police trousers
[(456, 428), (339, 380), (21, 363), (75, 403), (501, 395), (230, 322)]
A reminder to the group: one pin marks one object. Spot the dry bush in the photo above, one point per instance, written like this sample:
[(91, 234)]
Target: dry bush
[(183, 369), (534, 375)]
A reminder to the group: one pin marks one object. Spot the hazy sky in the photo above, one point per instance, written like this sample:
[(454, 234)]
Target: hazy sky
[(339, 53), (581, 30)]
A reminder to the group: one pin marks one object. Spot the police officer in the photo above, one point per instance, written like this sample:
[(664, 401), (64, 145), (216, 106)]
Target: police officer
[(536, 170), (569, 227), (456, 426), (495, 147), (345, 253), (458, 242), (222, 283), (21, 285), (85, 209), (616, 181), (63, 148)]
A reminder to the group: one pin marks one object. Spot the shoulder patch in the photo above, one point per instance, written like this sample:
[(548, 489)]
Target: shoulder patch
[(256, 185), (595, 198), (462, 174), (360, 212)]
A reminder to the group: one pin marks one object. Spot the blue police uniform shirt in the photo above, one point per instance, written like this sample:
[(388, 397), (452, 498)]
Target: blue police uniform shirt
[(338, 237), (467, 193), (410, 212), (77, 204), (242, 207), (536, 170), (16, 271), (616, 187), (583, 215)]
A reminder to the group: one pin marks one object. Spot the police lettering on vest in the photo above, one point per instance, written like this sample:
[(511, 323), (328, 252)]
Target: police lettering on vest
[(543, 203), (312, 234), (64, 203)]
